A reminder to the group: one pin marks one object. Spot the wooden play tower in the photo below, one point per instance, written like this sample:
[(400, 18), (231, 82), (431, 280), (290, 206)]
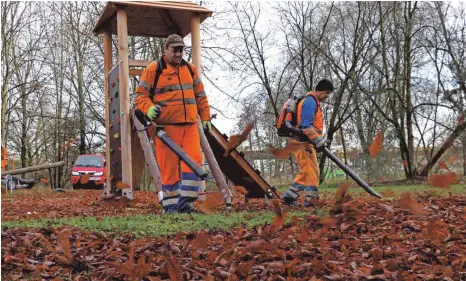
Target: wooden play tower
[(128, 149), (137, 18)]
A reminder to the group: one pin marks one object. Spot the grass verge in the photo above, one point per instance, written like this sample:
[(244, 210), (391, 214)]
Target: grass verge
[(389, 190), (158, 225)]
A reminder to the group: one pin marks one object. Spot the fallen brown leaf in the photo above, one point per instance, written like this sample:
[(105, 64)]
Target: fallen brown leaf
[(443, 180), (342, 191), (280, 216), (212, 201), (376, 145), (201, 241), (235, 140), (84, 178), (411, 205), (432, 229), (443, 165), (118, 202), (451, 159), (241, 189), (122, 185), (64, 238), (304, 236), (327, 223), (173, 268), (285, 152)]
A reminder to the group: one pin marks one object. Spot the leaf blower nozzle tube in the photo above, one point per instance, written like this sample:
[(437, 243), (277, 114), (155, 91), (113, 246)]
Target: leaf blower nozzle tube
[(298, 134), (350, 173), (183, 156)]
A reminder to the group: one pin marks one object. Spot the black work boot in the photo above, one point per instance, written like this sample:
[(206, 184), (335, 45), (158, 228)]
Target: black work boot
[(170, 211), (289, 201), (189, 208), (312, 203)]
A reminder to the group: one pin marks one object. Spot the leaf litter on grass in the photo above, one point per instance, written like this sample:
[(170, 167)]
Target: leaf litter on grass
[(416, 237)]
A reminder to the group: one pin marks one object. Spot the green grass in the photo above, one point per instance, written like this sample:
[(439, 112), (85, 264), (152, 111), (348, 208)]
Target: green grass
[(157, 225), (328, 191)]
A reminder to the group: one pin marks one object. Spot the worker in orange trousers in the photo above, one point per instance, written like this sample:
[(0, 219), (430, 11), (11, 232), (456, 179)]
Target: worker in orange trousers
[(4, 158), (310, 121), (171, 93)]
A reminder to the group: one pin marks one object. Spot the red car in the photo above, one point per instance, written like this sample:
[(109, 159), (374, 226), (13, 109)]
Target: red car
[(94, 165)]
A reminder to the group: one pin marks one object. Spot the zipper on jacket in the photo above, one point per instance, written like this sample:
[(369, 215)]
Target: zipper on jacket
[(182, 92)]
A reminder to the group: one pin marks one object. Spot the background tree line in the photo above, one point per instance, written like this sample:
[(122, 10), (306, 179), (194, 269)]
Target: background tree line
[(398, 67)]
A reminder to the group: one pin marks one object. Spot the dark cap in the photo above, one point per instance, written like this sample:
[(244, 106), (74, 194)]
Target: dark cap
[(174, 40), (324, 85)]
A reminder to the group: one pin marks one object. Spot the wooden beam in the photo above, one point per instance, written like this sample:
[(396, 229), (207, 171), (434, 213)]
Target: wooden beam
[(126, 159), (196, 42), (139, 63), (172, 26), (107, 68), (135, 72), (33, 168)]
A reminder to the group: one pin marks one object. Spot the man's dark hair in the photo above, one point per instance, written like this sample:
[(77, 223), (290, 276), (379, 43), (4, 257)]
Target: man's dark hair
[(324, 85)]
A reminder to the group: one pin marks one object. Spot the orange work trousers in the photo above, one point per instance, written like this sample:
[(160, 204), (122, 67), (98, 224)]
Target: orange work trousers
[(309, 173), (307, 179), (178, 190)]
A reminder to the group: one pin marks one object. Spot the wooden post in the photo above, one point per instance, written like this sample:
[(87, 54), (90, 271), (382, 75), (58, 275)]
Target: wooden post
[(196, 42), (196, 54), (196, 59), (107, 68), (214, 167), (151, 163), (126, 159)]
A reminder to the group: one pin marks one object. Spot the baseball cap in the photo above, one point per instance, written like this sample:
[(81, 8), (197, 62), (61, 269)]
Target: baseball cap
[(174, 40)]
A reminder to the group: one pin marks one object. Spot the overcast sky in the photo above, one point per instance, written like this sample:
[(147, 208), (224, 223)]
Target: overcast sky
[(224, 80)]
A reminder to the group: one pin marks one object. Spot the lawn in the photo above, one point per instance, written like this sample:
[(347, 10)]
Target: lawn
[(413, 233)]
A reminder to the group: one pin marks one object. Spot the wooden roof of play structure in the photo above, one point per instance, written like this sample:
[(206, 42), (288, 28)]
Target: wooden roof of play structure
[(152, 19)]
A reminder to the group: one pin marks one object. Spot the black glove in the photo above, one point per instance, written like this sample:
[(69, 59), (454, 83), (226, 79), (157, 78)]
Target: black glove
[(319, 143)]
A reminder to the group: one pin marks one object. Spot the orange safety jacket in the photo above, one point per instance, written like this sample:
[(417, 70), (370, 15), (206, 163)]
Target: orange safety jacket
[(4, 158), (318, 124), (181, 95)]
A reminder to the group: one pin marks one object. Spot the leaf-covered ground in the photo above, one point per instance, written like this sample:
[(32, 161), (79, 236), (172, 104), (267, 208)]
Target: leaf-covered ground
[(416, 236), (39, 203)]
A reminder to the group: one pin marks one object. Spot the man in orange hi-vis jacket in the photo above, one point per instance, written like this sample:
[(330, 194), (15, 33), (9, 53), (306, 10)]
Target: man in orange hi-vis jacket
[(310, 121), (4, 158), (180, 92)]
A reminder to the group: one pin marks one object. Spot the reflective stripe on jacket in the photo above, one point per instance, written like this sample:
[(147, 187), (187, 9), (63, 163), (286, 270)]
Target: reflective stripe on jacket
[(181, 95)]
